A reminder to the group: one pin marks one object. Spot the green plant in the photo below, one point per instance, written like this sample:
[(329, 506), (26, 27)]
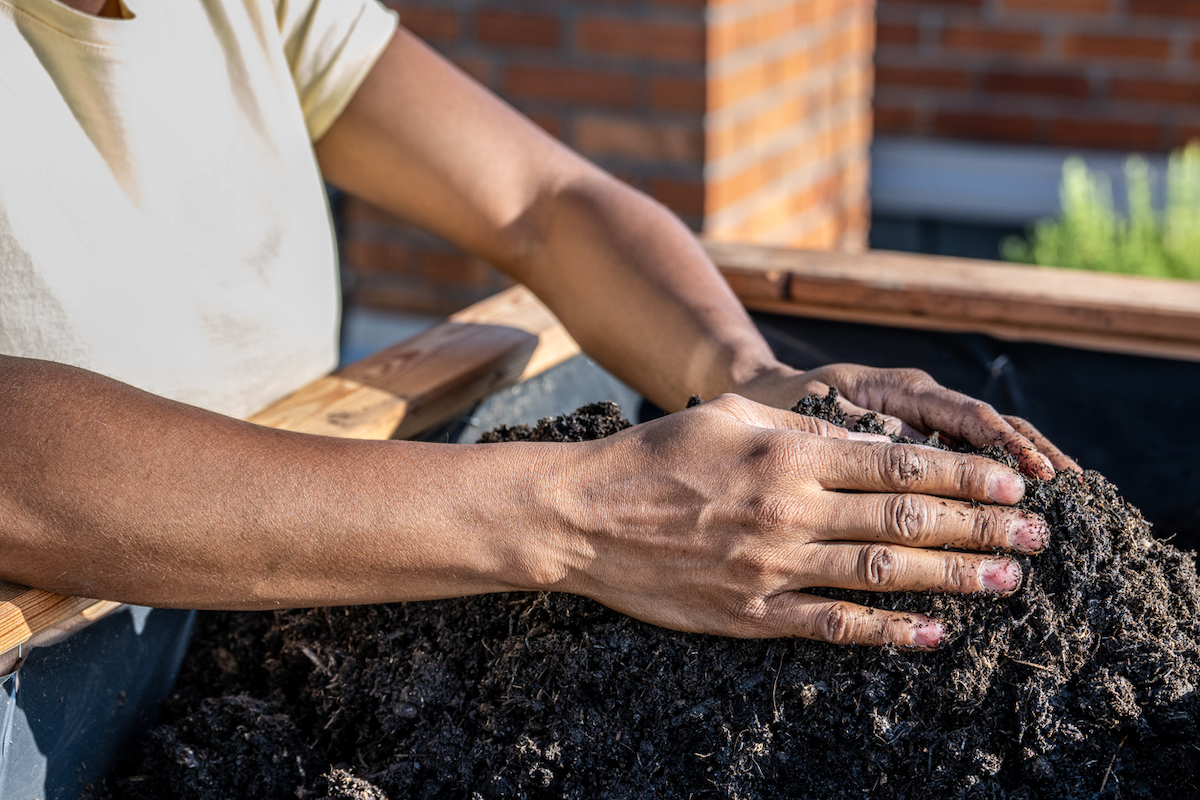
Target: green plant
[(1090, 234)]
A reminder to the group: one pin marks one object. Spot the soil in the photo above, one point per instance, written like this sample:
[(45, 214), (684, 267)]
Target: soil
[(1081, 685)]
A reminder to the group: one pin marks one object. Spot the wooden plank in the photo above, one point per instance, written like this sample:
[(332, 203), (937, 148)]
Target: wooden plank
[(432, 376), (395, 393), (25, 612), (1084, 309)]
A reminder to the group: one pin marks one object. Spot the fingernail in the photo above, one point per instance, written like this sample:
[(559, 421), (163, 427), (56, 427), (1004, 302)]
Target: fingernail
[(1029, 535), (1005, 486), (928, 634), (1002, 575), (859, 436)]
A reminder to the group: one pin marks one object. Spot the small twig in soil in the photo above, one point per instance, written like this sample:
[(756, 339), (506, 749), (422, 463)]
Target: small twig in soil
[(313, 658), (1108, 771), (1030, 664), (778, 669)]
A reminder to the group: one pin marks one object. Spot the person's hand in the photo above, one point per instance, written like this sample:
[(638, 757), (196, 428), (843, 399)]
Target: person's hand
[(716, 519), (912, 403)]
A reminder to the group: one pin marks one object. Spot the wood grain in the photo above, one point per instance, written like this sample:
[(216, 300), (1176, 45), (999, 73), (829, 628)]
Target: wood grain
[(1098, 311), (395, 393)]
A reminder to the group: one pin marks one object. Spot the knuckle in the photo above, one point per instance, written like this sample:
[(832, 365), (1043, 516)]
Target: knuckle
[(907, 518), (749, 615), (879, 567), (835, 624), (903, 467), (959, 574), (988, 529), (980, 412), (768, 511), (912, 375)]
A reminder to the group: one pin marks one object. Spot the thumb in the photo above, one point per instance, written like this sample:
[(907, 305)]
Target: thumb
[(761, 416)]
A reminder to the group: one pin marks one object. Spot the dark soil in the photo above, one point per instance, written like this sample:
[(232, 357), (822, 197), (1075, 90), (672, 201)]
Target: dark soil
[(1081, 685)]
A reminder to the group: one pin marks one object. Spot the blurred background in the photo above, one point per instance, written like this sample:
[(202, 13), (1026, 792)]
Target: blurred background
[(936, 126)]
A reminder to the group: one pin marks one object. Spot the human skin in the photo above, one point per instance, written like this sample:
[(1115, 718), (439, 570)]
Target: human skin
[(714, 519)]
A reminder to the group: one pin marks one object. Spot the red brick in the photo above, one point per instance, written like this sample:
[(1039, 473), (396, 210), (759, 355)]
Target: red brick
[(934, 77), (1152, 90), (1045, 84), (678, 94), (478, 68), (934, 3), (1184, 135), (991, 127), (1105, 133), (511, 28), (1059, 6), (549, 123), (682, 197), (601, 136), (894, 119), (895, 33), (428, 23), (1179, 9), (571, 85), (970, 37), (1196, 50), (1116, 46), (658, 41)]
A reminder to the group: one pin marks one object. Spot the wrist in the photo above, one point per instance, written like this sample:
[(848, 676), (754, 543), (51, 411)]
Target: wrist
[(545, 538), (766, 383)]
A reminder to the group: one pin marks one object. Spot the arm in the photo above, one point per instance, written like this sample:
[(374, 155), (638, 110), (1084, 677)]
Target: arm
[(623, 274), (109, 492)]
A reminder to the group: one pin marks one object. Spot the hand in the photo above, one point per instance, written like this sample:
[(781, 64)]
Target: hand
[(913, 404), (716, 519)]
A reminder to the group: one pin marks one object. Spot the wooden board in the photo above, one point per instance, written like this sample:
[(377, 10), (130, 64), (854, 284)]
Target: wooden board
[(395, 393), (1146, 316)]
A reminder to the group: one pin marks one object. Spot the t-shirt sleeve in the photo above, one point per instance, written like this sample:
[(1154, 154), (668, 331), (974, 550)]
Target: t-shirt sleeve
[(330, 47)]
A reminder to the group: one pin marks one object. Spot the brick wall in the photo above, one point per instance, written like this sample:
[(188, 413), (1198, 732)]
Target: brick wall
[(1117, 74), (750, 119)]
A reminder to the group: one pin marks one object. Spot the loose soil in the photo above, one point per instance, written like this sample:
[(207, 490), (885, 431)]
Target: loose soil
[(1081, 685)]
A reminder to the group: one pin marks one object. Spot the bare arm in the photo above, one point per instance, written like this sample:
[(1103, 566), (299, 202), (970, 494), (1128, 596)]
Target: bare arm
[(626, 277), (713, 520)]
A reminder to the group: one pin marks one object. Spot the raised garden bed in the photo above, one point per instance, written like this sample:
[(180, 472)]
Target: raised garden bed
[(961, 339)]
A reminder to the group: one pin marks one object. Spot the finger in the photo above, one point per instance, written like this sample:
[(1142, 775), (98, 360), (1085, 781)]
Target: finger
[(915, 520), (976, 423), (761, 416), (1058, 459), (879, 467), (892, 568), (838, 622)]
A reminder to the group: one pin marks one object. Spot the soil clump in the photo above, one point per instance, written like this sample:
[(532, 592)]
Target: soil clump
[(1081, 685)]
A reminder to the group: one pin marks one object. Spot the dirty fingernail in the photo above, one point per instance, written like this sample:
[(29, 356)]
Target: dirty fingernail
[(928, 634), (1002, 575), (1005, 486), (1029, 535)]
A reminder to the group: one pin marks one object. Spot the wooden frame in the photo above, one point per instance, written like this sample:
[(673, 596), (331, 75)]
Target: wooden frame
[(511, 337), (1090, 310)]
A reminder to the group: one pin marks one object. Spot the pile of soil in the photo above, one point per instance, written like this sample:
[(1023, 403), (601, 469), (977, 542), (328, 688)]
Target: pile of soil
[(1081, 685)]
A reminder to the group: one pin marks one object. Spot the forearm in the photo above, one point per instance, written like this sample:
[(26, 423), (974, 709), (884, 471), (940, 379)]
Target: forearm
[(109, 492), (627, 278), (637, 291)]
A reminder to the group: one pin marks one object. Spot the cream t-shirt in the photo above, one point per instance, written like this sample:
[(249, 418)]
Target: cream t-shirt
[(162, 218)]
